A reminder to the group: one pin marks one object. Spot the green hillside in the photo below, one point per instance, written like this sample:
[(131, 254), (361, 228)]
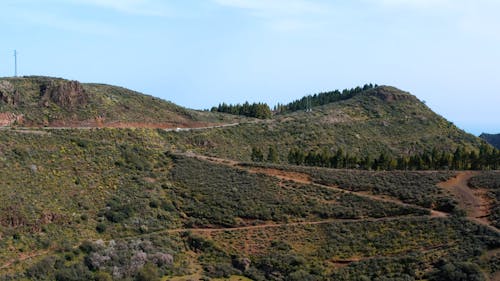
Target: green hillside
[(492, 139), (102, 203), (55, 102), (383, 119), (154, 204)]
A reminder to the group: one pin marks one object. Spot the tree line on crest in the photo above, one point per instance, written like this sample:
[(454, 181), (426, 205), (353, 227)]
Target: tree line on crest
[(487, 158)]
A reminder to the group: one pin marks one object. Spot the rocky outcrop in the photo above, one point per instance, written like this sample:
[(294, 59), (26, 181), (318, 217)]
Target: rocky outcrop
[(390, 94), (66, 94), (8, 94), (9, 118), (12, 218)]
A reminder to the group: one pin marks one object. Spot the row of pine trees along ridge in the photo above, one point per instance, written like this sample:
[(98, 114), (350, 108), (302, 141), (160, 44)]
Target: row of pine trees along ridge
[(487, 158), (263, 111)]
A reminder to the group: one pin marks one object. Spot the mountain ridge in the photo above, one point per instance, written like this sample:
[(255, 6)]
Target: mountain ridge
[(383, 119), (363, 121), (493, 139)]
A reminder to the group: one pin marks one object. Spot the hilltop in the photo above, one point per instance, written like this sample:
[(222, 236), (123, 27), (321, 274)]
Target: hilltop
[(363, 121), (54, 102), (493, 139), (363, 125), (382, 119)]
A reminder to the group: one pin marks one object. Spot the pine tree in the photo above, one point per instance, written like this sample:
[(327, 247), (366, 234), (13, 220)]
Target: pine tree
[(272, 155), (257, 155)]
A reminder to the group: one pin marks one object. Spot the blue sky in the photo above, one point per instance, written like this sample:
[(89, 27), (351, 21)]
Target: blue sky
[(198, 53)]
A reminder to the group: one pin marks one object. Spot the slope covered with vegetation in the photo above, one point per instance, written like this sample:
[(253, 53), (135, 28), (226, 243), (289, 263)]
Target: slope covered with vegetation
[(102, 203), (54, 102), (492, 139), (146, 204), (379, 120)]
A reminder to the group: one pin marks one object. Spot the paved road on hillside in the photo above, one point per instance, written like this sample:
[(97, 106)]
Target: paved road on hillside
[(205, 128)]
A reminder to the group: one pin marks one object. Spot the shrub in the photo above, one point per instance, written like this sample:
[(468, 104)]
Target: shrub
[(100, 227), (301, 275), (149, 272), (102, 276), (459, 271), (76, 272), (221, 270), (41, 269)]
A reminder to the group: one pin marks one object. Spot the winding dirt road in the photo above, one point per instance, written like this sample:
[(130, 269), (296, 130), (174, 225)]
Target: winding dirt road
[(303, 178), (474, 201)]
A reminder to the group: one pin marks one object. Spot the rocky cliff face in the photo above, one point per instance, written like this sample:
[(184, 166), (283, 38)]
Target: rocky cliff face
[(390, 94), (8, 94), (57, 102), (9, 118), (40, 100), (66, 94), (10, 97)]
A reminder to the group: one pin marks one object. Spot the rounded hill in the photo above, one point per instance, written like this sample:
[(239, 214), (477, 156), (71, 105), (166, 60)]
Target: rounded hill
[(55, 102), (367, 123)]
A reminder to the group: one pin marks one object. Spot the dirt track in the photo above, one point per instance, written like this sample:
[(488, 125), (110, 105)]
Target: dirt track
[(169, 127), (24, 257), (275, 225), (473, 201), (303, 178)]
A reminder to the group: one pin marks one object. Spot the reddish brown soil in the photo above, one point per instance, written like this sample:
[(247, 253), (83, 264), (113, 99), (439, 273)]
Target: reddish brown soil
[(457, 185), (283, 175), (474, 201), (303, 178), (306, 179), (289, 176), (23, 257), (274, 225)]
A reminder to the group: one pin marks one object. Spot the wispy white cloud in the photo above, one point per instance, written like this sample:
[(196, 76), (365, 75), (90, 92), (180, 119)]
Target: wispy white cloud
[(275, 7), (282, 15), (136, 7), (34, 15), (68, 24), (414, 3), (477, 18)]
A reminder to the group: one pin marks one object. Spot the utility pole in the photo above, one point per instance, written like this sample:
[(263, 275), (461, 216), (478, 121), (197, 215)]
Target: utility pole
[(15, 63)]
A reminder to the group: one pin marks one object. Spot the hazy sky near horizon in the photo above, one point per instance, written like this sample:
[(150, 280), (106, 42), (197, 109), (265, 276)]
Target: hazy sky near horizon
[(201, 52)]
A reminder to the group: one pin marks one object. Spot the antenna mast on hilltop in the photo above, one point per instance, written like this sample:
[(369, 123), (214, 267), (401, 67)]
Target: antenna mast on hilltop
[(15, 63)]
